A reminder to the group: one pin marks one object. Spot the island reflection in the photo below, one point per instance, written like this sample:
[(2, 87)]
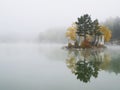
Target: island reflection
[(87, 63)]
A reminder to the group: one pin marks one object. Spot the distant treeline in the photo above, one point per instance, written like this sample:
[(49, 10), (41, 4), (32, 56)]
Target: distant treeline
[(53, 36), (114, 25)]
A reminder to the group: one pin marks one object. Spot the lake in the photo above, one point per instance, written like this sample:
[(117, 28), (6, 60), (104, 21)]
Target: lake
[(49, 67)]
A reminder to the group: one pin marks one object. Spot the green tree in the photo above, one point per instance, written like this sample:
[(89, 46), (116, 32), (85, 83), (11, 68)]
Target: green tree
[(84, 24)]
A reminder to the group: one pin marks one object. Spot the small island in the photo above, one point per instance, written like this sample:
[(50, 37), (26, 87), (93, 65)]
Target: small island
[(87, 33)]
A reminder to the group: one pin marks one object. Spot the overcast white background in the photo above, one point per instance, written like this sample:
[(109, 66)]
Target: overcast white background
[(34, 16)]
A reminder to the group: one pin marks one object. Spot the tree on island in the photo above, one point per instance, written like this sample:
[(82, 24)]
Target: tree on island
[(85, 33)]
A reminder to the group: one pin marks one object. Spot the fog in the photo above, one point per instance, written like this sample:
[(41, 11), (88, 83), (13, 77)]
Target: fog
[(25, 20)]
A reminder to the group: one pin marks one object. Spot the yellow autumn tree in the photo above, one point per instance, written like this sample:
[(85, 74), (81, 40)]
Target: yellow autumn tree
[(106, 32), (71, 32)]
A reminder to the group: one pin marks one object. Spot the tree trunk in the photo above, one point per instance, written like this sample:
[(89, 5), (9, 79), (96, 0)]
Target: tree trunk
[(94, 42), (98, 40), (76, 44), (85, 36)]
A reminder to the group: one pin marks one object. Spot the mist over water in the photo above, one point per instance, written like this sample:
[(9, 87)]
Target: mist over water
[(44, 66), (32, 34)]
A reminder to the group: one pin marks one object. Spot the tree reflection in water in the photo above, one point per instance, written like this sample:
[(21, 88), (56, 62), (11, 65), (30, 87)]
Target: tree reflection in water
[(85, 63)]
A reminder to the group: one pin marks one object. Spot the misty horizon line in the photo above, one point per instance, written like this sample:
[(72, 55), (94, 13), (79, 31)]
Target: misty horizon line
[(54, 34)]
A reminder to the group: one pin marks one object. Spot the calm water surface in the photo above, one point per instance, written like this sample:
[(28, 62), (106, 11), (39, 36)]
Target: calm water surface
[(48, 67)]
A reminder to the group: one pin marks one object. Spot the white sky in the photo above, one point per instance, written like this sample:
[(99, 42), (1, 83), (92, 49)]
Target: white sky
[(39, 15)]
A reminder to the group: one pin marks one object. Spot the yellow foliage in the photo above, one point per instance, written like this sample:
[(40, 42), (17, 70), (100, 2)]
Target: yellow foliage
[(89, 38), (71, 32), (107, 33), (106, 62), (71, 63)]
